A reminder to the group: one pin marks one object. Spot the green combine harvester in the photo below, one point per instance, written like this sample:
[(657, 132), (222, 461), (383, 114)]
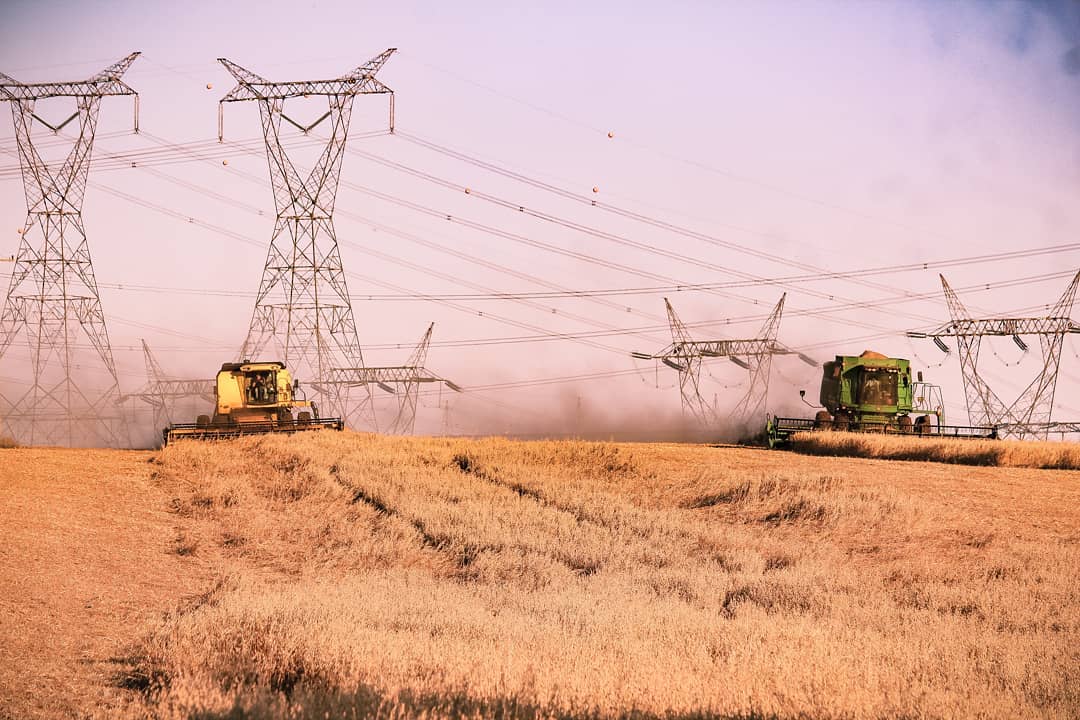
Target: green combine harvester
[(874, 393)]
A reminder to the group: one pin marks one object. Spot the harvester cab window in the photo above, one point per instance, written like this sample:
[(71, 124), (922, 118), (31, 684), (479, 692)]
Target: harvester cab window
[(262, 388), (878, 387)]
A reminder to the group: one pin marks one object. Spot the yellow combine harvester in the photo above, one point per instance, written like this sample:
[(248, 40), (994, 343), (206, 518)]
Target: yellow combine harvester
[(254, 398)]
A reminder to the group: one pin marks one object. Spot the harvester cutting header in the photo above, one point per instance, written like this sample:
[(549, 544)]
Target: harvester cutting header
[(253, 398)]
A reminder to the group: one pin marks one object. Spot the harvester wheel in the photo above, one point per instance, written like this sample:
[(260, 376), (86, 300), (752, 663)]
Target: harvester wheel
[(904, 421), (823, 420), (303, 417), (202, 421), (841, 423), (922, 424)]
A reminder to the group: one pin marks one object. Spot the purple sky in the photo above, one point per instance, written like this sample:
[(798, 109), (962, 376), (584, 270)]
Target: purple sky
[(840, 135)]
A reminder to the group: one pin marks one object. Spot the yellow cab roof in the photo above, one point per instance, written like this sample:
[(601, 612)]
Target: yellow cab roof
[(253, 366)]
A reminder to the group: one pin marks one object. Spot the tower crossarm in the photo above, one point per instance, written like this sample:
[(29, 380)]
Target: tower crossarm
[(304, 88), (1037, 429), (106, 82), (757, 347), (83, 88), (360, 81), (172, 390), (684, 349), (965, 327), (389, 375)]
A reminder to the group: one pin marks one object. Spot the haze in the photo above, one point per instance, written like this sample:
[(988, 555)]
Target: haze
[(838, 135)]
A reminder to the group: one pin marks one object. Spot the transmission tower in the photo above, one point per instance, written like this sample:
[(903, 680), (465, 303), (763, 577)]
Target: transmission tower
[(1029, 413), (52, 306), (302, 310), (403, 381), (686, 355), (163, 394), (446, 424)]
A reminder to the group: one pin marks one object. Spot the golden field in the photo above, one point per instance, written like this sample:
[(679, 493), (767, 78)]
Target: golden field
[(349, 575)]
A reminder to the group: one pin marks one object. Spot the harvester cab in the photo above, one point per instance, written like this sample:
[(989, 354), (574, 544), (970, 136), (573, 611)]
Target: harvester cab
[(254, 398), (867, 389)]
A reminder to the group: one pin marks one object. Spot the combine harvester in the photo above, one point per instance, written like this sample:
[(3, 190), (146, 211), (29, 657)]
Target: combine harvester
[(875, 394), (254, 398)]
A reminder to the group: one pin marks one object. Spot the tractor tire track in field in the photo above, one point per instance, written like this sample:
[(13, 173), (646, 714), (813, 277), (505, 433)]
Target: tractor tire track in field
[(468, 466), (697, 545), (462, 556), (463, 553)]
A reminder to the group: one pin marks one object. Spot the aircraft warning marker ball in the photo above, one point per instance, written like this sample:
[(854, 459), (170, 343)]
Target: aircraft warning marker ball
[(224, 162), (595, 189), (611, 133), (467, 191), (209, 86)]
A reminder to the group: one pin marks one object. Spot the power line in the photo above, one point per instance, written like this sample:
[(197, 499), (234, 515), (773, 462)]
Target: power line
[(626, 331), (709, 286), (639, 217), (495, 294), (691, 163)]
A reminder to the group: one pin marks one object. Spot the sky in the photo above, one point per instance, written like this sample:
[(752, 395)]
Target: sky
[(781, 139)]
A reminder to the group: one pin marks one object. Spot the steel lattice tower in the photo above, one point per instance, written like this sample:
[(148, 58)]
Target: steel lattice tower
[(1030, 413), (52, 305), (163, 393), (302, 309), (402, 381), (686, 355)]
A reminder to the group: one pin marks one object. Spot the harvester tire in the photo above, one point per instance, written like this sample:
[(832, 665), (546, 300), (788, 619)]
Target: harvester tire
[(823, 420), (202, 421), (922, 425), (304, 418), (841, 423), (904, 421)]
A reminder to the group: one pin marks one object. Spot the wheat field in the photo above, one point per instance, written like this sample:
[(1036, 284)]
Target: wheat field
[(349, 575)]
